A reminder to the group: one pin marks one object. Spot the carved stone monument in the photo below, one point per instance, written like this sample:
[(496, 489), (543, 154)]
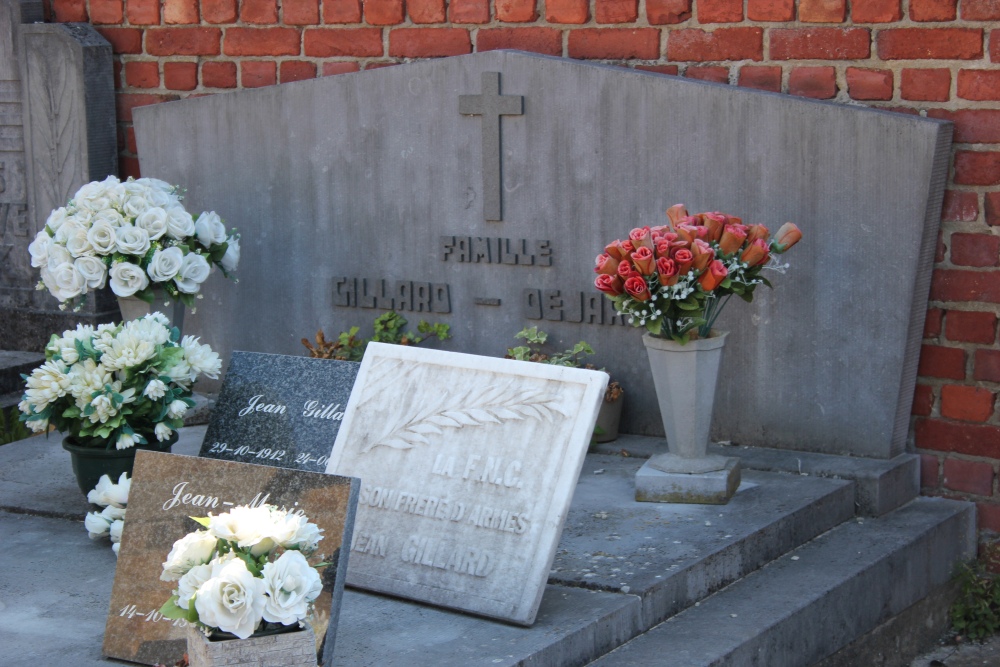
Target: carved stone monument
[(468, 466), (57, 132), (381, 195)]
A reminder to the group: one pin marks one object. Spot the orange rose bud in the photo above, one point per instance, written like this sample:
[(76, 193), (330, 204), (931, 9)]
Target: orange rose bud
[(788, 235), (637, 288), (627, 248), (714, 274), (662, 248), (755, 232), (611, 285), (615, 250), (644, 261), (687, 232), (641, 237), (684, 258), (703, 254), (733, 220), (676, 212), (606, 264), (732, 239), (756, 253), (714, 223), (625, 269), (667, 270)]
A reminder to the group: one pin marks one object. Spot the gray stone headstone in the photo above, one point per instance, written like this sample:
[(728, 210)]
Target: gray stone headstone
[(467, 467), (57, 132), (365, 191), (279, 410)]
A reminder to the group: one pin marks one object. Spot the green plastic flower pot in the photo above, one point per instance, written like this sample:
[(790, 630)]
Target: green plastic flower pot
[(89, 463)]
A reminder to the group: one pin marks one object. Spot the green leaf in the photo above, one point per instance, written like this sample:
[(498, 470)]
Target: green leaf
[(172, 611), (203, 521), (654, 326), (766, 282)]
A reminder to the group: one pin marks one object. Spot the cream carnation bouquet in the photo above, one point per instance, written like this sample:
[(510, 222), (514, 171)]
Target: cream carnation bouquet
[(135, 235), (117, 385)]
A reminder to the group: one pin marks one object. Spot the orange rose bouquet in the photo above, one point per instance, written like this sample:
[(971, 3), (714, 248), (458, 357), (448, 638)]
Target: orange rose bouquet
[(675, 279)]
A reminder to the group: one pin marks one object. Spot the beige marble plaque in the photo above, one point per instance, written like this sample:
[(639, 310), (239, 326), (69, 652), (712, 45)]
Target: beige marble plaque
[(167, 489), (468, 465)]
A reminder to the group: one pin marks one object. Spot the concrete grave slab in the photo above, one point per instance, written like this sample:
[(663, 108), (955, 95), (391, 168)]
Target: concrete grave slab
[(168, 489), (468, 465), (279, 410), (363, 192)]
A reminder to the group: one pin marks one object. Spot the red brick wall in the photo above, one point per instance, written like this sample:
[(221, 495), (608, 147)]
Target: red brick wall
[(939, 58)]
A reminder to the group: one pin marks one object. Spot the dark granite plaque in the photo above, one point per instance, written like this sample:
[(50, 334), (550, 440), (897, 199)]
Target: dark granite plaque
[(279, 410), (167, 489)]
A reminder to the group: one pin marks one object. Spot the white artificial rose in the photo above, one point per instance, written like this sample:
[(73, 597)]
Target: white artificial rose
[(116, 547), (58, 255), (247, 526), (102, 237), (67, 282), (154, 221), (201, 358), (231, 259), (135, 201), (180, 224), (39, 249), (165, 264), (116, 530), (77, 241), (93, 196), (92, 270), (307, 537), (177, 409), (127, 279), (111, 494), (210, 229), (232, 600), (291, 585), (114, 189), (56, 219), (163, 432), (96, 525), (156, 184), (109, 216), (132, 240), (193, 272), (155, 389), (190, 583), (193, 549)]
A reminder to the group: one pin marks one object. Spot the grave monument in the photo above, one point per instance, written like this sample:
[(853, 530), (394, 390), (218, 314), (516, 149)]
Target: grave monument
[(477, 190), (57, 132)]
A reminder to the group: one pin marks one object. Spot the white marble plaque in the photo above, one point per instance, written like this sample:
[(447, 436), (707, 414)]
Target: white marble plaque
[(468, 465)]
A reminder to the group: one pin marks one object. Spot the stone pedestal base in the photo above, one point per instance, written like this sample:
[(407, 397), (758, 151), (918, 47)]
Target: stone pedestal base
[(708, 488)]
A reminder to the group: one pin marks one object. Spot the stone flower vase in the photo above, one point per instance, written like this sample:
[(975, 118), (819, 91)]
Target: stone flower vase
[(286, 649), (89, 463), (685, 377)]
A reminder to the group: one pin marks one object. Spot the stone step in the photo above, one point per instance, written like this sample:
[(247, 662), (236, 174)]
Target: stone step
[(819, 598), (12, 365)]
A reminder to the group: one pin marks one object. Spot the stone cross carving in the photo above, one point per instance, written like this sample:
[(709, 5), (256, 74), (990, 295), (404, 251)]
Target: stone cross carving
[(490, 104)]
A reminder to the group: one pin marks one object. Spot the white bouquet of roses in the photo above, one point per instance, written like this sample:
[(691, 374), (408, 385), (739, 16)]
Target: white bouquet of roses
[(110, 520), (118, 384), (247, 568), (138, 235)]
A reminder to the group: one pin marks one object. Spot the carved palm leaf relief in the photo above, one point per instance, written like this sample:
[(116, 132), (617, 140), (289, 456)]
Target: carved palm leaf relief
[(496, 403)]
